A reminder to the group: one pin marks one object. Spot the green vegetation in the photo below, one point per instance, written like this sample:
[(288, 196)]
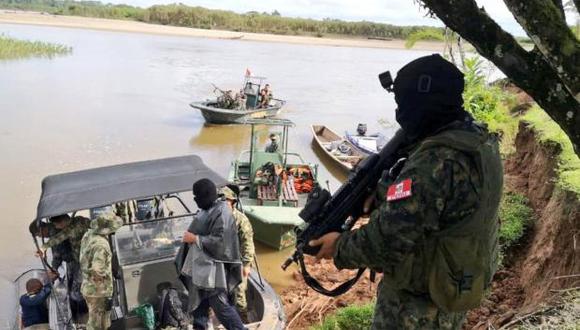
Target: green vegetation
[(198, 17), (11, 49), (489, 104), (568, 161), (515, 216), (349, 318), (426, 34)]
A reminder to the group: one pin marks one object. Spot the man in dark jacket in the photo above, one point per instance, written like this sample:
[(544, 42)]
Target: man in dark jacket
[(209, 263), (434, 234)]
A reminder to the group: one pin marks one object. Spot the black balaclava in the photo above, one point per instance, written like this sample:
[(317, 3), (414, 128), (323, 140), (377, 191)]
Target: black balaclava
[(204, 193), (428, 92)]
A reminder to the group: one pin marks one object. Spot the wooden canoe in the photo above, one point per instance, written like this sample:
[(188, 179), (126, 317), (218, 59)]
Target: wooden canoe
[(341, 151)]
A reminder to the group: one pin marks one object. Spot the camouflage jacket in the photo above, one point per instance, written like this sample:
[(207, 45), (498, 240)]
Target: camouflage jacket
[(74, 232), (437, 187), (95, 260), (245, 236)]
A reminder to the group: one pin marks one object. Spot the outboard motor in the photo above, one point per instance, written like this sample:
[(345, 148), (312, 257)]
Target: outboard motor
[(361, 129)]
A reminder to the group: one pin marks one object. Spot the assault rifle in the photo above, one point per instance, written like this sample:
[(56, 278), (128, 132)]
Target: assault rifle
[(324, 213)]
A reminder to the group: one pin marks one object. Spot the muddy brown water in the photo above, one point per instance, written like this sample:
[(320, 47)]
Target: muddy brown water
[(123, 97)]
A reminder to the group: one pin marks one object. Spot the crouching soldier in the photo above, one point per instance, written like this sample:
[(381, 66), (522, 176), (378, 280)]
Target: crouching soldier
[(95, 260)]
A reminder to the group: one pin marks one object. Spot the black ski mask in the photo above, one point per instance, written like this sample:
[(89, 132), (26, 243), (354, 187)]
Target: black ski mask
[(428, 92), (204, 193)]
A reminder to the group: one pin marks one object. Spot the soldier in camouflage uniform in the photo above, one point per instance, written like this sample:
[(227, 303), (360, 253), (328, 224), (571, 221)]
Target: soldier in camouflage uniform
[(96, 259), (69, 235), (69, 229), (434, 233), (247, 250)]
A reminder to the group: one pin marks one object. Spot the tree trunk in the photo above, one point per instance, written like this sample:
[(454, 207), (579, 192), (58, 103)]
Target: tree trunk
[(544, 79)]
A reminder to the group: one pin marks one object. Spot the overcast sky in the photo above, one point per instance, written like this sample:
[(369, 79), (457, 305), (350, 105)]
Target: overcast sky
[(398, 12)]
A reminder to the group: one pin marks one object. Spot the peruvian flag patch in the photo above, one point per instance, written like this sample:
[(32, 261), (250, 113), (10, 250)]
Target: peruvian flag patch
[(399, 190)]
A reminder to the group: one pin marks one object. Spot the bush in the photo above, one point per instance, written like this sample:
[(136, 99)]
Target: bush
[(515, 216), (482, 101), (349, 318), (489, 104)]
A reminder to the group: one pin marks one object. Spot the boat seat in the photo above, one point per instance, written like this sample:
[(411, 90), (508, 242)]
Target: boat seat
[(267, 193), (289, 192)]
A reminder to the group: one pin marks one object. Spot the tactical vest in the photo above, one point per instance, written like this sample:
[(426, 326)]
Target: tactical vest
[(455, 265)]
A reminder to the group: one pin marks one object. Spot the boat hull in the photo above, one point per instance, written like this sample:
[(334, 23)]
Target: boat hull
[(213, 115), (366, 144), (274, 225), (277, 237), (324, 138)]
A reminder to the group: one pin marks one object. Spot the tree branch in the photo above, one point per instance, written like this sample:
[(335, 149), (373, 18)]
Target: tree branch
[(546, 25), (529, 71), (560, 7)]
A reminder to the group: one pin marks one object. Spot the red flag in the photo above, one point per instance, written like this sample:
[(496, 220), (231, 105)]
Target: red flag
[(248, 73), (399, 190)]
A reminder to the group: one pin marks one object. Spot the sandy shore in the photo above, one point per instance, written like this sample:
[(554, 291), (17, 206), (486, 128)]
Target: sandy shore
[(35, 18)]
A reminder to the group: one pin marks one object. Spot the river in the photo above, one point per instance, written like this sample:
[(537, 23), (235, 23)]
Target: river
[(122, 97)]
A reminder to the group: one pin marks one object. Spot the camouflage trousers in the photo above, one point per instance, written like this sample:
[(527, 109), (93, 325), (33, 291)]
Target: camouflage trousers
[(399, 309), (240, 300), (99, 317)]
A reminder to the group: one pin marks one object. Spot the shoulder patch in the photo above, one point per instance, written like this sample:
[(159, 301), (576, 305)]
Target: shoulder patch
[(399, 190)]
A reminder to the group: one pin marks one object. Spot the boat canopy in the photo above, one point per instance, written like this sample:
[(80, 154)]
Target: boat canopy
[(81, 190)]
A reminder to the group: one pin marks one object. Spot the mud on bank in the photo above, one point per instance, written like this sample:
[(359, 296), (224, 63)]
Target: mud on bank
[(546, 262)]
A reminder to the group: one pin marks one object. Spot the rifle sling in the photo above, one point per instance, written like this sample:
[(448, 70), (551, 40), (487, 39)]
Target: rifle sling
[(316, 286)]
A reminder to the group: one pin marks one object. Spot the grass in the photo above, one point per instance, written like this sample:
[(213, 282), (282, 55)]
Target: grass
[(489, 104), (515, 216), (11, 49), (349, 318), (426, 34), (568, 161)]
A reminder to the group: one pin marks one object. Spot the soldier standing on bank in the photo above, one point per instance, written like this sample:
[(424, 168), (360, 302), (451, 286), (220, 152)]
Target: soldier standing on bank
[(434, 232), (96, 266), (247, 250)]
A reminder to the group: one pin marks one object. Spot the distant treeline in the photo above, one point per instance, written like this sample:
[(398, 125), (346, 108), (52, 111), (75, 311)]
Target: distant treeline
[(203, 18)]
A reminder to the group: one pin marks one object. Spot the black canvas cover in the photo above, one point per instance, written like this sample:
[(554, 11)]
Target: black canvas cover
[(68, 192)]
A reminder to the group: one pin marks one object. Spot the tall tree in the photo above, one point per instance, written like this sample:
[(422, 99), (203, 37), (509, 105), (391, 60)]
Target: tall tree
[(549, 73)]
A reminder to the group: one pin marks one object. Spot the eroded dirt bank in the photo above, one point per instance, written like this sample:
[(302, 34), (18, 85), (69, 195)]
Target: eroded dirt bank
[(305, 307), (541, 265), (534, 272)]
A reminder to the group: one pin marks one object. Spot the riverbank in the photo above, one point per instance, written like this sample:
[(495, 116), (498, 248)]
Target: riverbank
[(44, 19)]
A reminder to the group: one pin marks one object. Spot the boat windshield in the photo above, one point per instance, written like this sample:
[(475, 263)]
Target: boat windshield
[(146, 241)]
